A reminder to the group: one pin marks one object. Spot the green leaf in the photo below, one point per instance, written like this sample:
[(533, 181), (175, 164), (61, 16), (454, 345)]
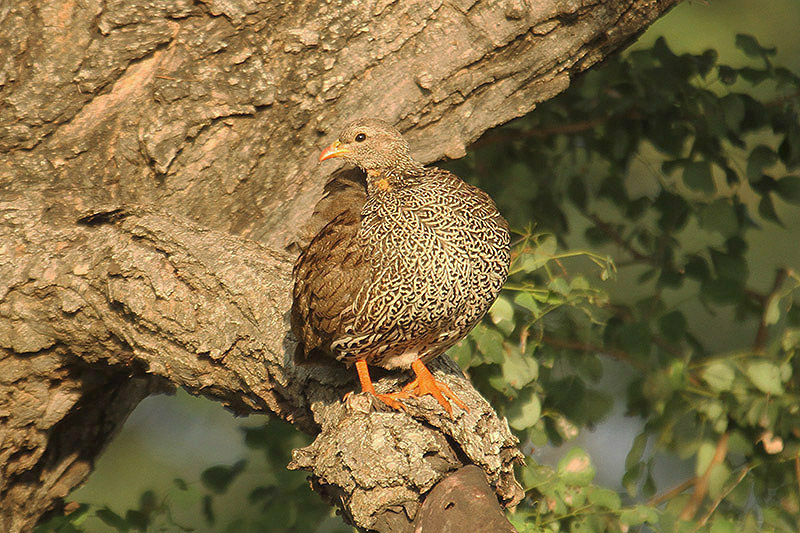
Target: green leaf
[(670, 278), (722, 525), (110, 518), (596, 236), (604, 498), (649, 485), (586, 524), (729, 266), (720, 216), (534, 474), (719, 375), (788, 188), (706, 61), (594, 406), (639, 515), (262, 494), (705, 453), (720, 473), (671, 165), (697, 176), (502, 314), (137, 519), (577, 192), (751, 47), (498, 383), (525, 411), (713, 409), (546, 245), (559, 286), (634, 456), (541, 253), (258, 437), (767, 210), (766, 376), (219, 477), (591, 366), (501, 310), (721, 291), (773, 312), (731, 176), (575, 468), (760, 158), (463, 354), (791, 339), (789, 149), (754, 75), (764, 185), (697, 268), (580, 283), (673, 325), (208, 509), (733, 111), (524, 299), (727, 75), (630, 480), (519, 370), (646, 276), (786, 371), (148, 501), (490, 343), (635, 338), (80, 514)]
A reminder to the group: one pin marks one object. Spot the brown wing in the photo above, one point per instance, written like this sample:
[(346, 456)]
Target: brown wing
[(327, 277), (344, 191)]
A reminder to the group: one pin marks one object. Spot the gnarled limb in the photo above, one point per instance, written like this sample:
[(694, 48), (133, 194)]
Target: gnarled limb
[(144, 298)]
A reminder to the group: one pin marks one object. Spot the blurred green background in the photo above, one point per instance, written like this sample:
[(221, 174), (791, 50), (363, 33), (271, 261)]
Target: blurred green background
[(179, 436)]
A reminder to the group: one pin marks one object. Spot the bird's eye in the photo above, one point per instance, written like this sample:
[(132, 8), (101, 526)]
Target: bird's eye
[(360, 137)]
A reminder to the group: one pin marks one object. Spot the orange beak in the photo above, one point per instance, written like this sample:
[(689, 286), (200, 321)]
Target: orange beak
[(334, 150)]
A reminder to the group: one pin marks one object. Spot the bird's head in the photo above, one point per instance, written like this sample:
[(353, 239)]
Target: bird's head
[(373, 145)]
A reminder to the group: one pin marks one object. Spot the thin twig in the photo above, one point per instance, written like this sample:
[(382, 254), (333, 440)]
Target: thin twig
[(797, 469), (671, 493), (506, 135), (701, 484), (592, 348), (722, 496), (606, 228), (763, 328)]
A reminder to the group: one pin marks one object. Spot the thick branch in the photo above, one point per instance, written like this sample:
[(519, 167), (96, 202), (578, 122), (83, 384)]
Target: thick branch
[(143, 294)]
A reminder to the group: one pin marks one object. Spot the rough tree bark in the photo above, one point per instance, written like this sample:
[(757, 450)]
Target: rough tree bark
[(158, 163)]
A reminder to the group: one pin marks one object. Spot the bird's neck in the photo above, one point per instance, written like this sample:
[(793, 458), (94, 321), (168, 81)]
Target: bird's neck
[(381, 181)]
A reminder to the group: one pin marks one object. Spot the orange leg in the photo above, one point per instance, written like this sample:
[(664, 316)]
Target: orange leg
[(367, 386), (425, 383)]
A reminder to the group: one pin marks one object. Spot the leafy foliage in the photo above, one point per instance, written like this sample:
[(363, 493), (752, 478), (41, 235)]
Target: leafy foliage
[(668, 164), (667, 168), (280, 502)]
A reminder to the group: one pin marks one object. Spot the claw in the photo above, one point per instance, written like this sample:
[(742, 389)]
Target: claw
[(367, 386), (424, 383)]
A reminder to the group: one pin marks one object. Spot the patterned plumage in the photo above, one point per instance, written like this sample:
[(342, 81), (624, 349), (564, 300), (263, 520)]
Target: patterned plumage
[(406, 278)]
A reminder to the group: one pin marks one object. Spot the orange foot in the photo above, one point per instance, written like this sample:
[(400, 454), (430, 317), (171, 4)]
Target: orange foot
[(425, 383), (367, 386)]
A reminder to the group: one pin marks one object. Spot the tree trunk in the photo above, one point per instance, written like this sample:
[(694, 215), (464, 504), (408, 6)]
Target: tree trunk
[(158, 176)]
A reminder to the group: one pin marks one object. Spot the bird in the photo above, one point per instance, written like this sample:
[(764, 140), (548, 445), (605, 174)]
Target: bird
[(403, 280)]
